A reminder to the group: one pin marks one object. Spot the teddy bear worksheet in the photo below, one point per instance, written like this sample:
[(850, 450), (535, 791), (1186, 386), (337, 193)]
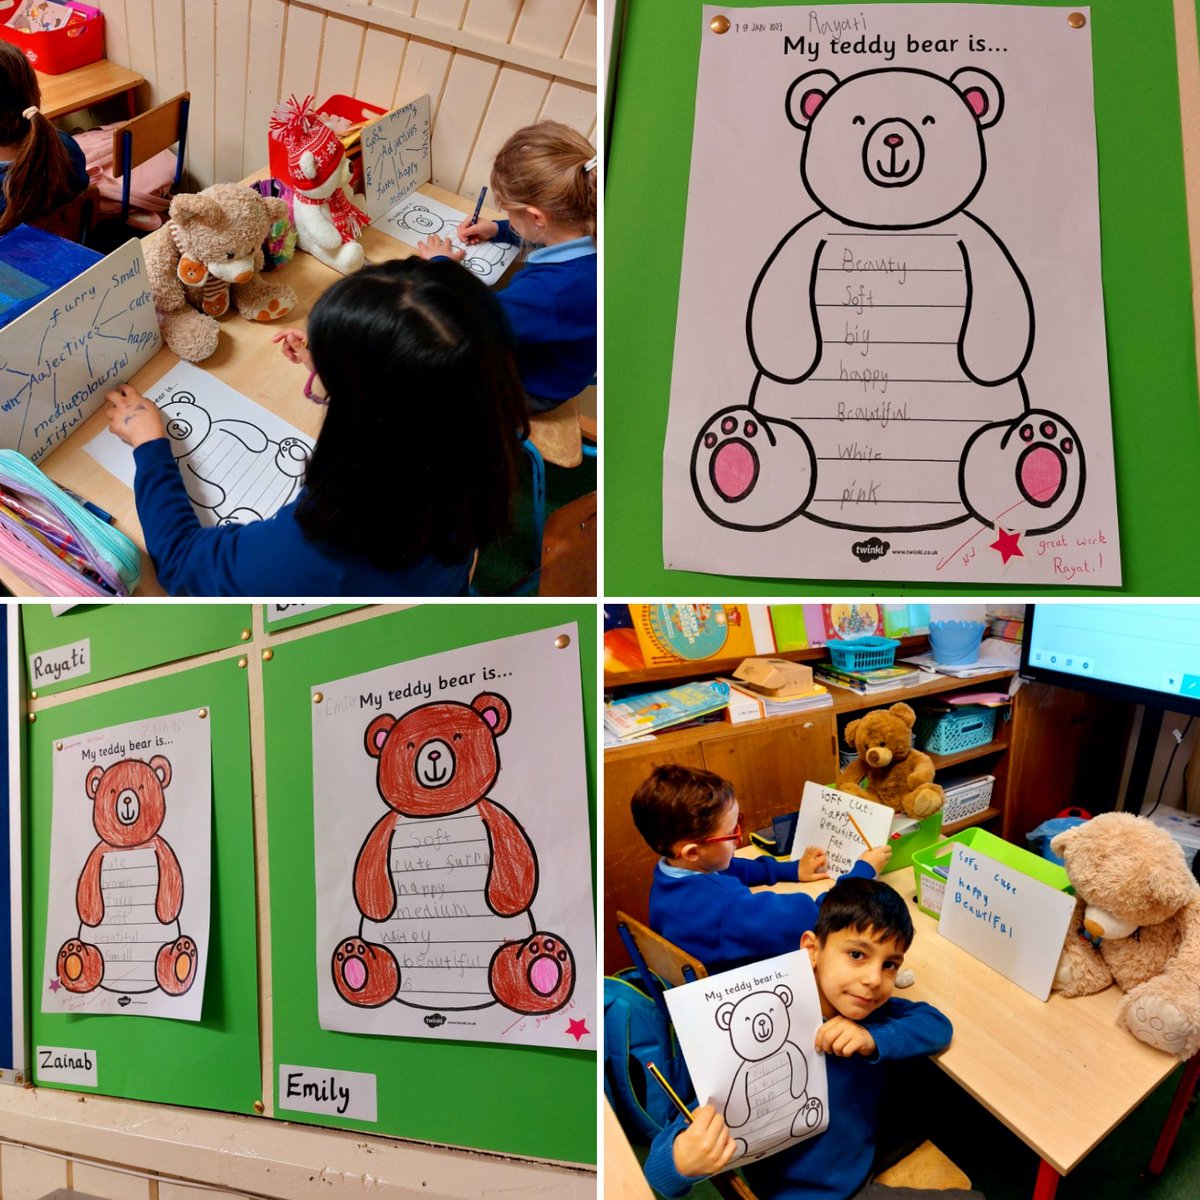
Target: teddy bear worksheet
[(898, 369)]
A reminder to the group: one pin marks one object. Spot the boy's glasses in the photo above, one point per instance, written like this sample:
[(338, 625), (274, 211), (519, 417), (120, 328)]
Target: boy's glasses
[(315, 397), (735, 836)]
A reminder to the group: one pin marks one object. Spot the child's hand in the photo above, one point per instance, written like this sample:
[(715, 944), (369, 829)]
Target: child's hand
[(440, 247), (132, 417), (878, 857), (480, 231), (843, 1037), (705, 1146), (295, 347), (812, 865)]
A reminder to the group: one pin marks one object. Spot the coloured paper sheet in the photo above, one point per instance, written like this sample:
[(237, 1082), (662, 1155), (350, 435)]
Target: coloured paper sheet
[(748, 1038), (239, 461), (130, 870), (897, 368), (453, 868)]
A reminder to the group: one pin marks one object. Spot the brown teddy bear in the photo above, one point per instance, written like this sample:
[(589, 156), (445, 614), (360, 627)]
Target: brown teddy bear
[(888, 770), (1134, 890), (207, 255)]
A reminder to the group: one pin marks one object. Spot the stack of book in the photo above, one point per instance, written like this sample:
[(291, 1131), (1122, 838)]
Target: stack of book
[(636, 716), (748, 703), (881, 679)]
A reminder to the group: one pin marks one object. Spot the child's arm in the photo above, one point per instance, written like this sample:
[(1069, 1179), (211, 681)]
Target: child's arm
[(876, 858), (812, 864), (295, 347), (480, 231), (439, 247), (683, 1154), (132, 417), (908, 1029), (843, 1037)]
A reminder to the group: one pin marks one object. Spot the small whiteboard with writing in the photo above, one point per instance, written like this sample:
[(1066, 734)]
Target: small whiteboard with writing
[(395, 154), (748, 1038), (1006, 919), (58, 359), (824, 822)]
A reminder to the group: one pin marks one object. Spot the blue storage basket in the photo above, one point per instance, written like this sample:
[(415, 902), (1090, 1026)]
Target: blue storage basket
[(862, 654), (949, 732)]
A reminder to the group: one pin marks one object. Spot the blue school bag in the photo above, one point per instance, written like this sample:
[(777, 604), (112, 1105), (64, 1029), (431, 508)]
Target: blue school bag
[(636, 1033)]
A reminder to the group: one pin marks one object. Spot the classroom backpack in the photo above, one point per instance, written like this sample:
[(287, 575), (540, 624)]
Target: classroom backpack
[(637, 1033)]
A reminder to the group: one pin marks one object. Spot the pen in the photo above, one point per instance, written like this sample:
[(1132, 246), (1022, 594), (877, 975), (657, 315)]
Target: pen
[(479, 205), (94, 509), (858, 831)]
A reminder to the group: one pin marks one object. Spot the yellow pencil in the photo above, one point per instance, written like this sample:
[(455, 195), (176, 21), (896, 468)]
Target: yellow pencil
[(858, 831)]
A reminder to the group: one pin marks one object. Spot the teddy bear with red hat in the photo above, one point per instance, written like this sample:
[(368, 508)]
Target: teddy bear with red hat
[(327, 223)]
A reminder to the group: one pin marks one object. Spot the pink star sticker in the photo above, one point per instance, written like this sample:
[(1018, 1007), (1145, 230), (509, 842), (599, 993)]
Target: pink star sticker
[(577, 1029), (1007, 544), (55, 985)]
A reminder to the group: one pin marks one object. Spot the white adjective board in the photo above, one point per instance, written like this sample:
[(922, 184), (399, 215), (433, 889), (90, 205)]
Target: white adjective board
[(1006, 919), (58, 359), (395, 155), (823, 822)]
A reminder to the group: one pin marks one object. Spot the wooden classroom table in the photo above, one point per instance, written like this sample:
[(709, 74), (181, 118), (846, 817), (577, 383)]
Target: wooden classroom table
[(623, 1177), (1061, 1075), (248, 361), (86, 86)]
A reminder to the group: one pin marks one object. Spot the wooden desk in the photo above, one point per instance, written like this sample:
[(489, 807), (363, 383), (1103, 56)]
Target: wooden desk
[(86, 86), (248, 361), (1061, 1075), (623, 1178)]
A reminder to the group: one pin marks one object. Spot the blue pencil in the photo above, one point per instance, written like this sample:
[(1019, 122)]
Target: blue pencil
[(479, 205)]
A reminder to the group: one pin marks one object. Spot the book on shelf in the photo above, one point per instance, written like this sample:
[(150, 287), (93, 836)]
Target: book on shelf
[(649, 712), (746, 703), (880, 679)]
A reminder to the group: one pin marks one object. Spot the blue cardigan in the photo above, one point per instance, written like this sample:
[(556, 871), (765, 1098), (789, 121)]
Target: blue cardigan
[(271, 558), (834, 1164), (714, 915)]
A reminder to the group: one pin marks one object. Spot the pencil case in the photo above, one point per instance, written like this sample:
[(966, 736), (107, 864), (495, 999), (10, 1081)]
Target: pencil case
[(54, 543)]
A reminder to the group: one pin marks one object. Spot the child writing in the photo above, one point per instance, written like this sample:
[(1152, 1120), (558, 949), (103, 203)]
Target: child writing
[(545, 178), (414, 467), (862, 934), (41, 168), (700, 898)]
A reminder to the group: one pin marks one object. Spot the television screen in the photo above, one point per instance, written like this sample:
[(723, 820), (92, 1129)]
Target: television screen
[(1146, 653)]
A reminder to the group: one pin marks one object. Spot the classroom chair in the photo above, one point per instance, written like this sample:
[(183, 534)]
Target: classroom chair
[(653, 956), (569, 550), (73, 220), (146, 135)]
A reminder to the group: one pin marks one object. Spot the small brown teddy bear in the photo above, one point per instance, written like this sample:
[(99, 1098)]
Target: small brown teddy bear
[(207, 254), (1134, 890), (888, 770)]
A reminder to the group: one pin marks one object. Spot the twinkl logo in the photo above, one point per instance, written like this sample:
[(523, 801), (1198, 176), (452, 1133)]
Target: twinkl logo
[(871, 548)]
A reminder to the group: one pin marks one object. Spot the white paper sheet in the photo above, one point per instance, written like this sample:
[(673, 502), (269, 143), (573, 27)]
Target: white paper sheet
[(478, 862), (58, 359), (823, 822), (239, 461), (395, 155), (130, 870), (748, 1038), (905, 378), (420, 216)]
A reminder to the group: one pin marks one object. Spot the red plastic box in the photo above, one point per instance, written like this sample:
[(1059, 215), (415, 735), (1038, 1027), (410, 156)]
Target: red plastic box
[(56, 51)]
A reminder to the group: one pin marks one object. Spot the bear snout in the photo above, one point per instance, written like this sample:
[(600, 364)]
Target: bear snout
[(128, 807), (435, 764), (893, 153), (763, 1028), (878, 756)]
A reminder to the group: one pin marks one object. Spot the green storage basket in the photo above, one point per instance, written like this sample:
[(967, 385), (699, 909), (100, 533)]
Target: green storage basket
[(931, 887)]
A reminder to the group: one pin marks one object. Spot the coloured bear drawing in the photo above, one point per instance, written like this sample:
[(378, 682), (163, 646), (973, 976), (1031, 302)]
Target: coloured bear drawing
[(889, 331), (446, 878), (129, 937)]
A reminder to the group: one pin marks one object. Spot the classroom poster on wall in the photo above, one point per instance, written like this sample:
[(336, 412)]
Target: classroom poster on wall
[(921, 390), (58, 359), (453, 876), (239, 461), (828, 818), (395, 156), (130, 870), (748, 1037)]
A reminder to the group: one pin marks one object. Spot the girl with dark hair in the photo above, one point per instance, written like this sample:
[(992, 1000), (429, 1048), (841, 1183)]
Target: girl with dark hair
[(414, 467), (42, 168), (545, 178)]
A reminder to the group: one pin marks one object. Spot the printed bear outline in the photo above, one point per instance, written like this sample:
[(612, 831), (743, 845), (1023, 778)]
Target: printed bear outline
[(1026, 470), (482, 259), (533, 974), (189, 425), (758, 1026), (128, 807)]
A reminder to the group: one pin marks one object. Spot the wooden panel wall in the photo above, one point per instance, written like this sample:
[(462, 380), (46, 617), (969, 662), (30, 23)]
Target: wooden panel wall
[(489, 66)]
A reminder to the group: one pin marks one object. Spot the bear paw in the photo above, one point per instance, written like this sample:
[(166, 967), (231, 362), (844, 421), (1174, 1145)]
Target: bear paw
[(80, 966), (809, 1116), (1157, 1020), (1025, 475), (750, 471), (740, 1148), (271, 311), (534, 976), (175, 966), (365, 975), (925, 800)]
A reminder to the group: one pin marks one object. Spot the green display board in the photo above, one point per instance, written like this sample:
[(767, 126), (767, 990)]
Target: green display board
[(212, 1063), (510, 1099), (1147, 299), (284, 616), (121, 638)]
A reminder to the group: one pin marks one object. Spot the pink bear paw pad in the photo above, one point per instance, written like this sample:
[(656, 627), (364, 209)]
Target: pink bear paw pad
[(1042, 467)]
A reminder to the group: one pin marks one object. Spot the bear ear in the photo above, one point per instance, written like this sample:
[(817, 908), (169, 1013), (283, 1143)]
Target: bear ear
[(276, 207), (905, 713), (92, 783), (1060, 841), (377, 733), (851, 730), (162, 768), (982, 92), (191, 206), (785, 994), (806, 95), (725, 1015), (494, 710)]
